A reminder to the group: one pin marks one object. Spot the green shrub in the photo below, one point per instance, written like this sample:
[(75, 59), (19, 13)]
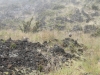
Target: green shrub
[(94, 7), (26, 27), (35, 28), (13, 45), (40, 68)]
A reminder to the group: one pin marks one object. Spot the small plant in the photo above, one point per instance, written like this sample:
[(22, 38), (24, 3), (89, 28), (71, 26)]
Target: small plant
[(40, 68), (13, 45), (3, 41), (73, 49)]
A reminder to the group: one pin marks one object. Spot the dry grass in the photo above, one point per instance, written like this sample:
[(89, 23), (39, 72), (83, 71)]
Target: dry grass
[(39, 36), (92, 54)]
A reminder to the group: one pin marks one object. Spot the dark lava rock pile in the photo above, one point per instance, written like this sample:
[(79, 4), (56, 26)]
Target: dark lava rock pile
[(34, 56)]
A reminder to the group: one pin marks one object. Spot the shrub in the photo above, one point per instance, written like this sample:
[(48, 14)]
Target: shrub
[(77, 28), (94, 7), (26, 27), (97, 33), (35, 28), (13, 45)]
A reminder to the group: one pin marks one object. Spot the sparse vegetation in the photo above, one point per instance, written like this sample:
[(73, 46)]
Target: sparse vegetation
[(78, 67), (42, 46), (97, 33), (57, 7), (13, 45), (35, 28), (94, 7), (26, 27)]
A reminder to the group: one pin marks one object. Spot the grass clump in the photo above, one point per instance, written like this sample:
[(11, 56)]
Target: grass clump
[(97, 33), (13, 45)]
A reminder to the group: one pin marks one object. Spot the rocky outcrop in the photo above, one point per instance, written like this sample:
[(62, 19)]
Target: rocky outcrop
[(21, 54)]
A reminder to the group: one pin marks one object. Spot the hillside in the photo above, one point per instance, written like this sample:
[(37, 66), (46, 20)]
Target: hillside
[(49, 37), (50, 13)]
